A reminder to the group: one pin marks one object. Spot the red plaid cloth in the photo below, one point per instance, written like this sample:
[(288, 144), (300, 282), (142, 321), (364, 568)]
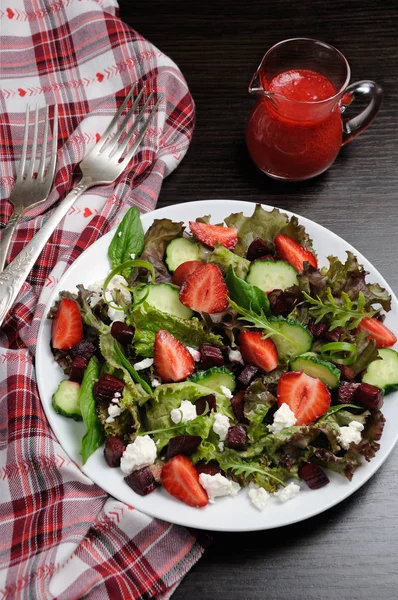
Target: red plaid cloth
[(61, 536)]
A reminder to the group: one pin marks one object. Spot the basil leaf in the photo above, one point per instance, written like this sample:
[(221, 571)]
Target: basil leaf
[(128, 239), (94, 435), (246, 295)]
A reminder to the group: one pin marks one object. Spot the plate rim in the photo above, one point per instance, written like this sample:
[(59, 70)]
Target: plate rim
[(352, 487)]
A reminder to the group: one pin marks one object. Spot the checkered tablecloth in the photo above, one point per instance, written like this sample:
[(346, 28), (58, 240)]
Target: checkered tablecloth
[(61, 536)]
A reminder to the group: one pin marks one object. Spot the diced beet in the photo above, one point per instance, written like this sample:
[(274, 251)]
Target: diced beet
[(347, 373), (85, 348), (78, 368), (141, 481), (238, 403), (346, 391), (317, 329), (211, 356), (122, 332), (246, 376), (313, 475), (334, 335), (210, 468), (236, 438), (369, 396), (201, 404), (113, 451), (183, 444), (257, 249), (106, 388), (283, 302)]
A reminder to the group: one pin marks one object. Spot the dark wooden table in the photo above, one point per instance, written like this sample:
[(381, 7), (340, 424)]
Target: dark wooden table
[(351, 551)]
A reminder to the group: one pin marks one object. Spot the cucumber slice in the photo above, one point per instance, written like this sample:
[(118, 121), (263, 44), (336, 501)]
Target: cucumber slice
[(383, 373), (179, 251), (164, 297), (312, 365), (66, 400), (269, 275), (292, 338), (214, 378)]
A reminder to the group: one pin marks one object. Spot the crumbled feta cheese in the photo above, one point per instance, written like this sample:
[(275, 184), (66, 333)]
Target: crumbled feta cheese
[(141, 453), (113, 411), (226, 392), (194, 353), (155, 382), (288, 492), (186, 412), (218, 485), (115, 314), (235, 356), (97, 289), (221, 426), (119, 234), (221, 446), (115, 399), (258, 496), (118, 283), (144, 364), (117, 395), (284, 417), (350, 434), (132, 256)]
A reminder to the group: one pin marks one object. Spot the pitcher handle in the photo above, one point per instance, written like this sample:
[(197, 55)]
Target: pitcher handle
[(355, 126)]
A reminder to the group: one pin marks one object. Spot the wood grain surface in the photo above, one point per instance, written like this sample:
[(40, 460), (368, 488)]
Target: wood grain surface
[(351, 551)]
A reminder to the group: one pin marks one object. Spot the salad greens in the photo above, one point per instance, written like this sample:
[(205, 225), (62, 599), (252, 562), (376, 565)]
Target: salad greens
[(94, 436), (329, 301), (128, 239)]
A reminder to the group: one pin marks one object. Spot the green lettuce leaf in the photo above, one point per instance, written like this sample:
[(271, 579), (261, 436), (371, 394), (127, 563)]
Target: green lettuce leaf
[(258, 402), (161, 232), (262, 224), (128, 239), (148, 320), (169, 396), (246, 295), (94, 436), (200, 426), (224, 257)]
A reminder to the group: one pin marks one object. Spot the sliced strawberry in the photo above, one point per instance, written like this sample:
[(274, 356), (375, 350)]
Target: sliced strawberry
[(306, 396), (293, 252), (215, 234), (383, 337), (180, 478), (205, 290), (258, 351), (185, 269), (67, 326), (172, 360)]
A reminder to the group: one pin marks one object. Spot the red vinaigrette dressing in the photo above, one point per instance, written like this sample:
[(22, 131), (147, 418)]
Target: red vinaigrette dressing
[(295, 140)]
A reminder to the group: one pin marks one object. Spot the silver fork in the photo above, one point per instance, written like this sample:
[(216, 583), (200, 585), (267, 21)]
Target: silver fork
[(27, 191), (101, 166)]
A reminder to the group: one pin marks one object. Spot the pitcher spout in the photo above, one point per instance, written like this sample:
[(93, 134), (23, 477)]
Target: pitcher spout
[(256, 87)]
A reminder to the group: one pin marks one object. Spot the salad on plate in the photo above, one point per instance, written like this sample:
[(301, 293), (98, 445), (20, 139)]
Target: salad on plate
[(220, 356)]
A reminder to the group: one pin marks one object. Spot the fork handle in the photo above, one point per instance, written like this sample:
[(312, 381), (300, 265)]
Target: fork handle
[(6, 237), (13, 277)]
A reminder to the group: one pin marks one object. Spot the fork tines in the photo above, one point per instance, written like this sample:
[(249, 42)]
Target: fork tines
[(113, 146)]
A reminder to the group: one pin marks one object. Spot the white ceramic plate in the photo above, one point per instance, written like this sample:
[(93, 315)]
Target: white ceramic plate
[(227, 514)]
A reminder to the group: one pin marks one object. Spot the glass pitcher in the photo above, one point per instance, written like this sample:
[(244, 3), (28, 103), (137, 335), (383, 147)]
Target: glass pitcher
[(296, 129)]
